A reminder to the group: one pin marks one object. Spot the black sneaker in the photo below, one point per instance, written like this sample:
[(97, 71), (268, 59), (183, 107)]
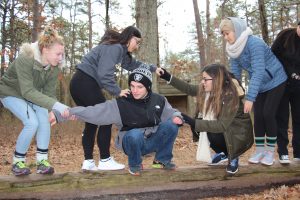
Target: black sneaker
[(44, 167), (218, 159), (233, 166)]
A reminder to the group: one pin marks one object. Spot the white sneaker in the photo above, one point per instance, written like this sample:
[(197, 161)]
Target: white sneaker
[(89, 165), (284, 159), (110, 164)]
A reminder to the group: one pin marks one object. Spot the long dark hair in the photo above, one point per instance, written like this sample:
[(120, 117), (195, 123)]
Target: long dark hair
[(222, 89), (290, 42), (112, 36)]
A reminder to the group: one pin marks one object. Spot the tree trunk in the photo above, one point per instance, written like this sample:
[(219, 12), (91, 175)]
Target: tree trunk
[(90, 24), (147, 22), (36, 20), (263, 21), (199, 34), (107, 22), (209, 34), (5, 7), (224, 56)]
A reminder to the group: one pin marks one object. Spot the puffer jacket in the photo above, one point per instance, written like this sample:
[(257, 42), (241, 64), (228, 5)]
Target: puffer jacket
[(264, 69), (236, 126), (27, 79)]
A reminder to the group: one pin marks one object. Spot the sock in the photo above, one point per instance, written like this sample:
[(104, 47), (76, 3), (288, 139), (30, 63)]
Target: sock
[(41, 154), (271, 142), (19, 157), (259, 144)]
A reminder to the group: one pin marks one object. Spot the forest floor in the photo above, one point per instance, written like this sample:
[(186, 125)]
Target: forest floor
[(66, 154)]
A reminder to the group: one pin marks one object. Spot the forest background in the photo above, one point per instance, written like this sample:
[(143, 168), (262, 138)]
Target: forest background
[(82, 24), (82, 28)]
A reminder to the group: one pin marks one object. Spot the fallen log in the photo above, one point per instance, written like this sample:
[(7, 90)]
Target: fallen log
[(189, 183)]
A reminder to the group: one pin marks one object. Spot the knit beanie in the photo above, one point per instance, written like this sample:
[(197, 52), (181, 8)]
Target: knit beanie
[(226, 25), (143, 75)]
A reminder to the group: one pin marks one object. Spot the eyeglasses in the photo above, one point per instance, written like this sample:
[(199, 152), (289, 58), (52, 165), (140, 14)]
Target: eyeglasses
[(137, 41), (206, 79)]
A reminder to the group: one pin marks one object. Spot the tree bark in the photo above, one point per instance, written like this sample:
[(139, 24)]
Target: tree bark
[(147, 22), (199, 34), (90, 24), (263, 21), (36, 20)]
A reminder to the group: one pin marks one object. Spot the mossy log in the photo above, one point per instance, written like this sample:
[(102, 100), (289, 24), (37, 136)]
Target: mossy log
[(190, 183)]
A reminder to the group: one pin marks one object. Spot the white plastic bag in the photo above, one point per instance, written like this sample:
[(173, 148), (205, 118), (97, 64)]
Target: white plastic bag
[(203, 150)]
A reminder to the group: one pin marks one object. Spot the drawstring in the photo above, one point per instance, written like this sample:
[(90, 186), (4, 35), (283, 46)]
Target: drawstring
[(27, 112)]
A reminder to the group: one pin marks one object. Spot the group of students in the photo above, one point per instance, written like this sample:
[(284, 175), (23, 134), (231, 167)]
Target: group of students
[(146, 121)]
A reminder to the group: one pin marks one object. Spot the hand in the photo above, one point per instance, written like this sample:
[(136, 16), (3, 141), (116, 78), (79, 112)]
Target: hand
[(248, 106), (52, 118), (165, 75), (177, 120), (124, 93), (159, 71), (189, 120)]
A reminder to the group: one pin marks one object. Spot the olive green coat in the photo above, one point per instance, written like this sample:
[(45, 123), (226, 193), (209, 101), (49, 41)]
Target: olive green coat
[(27, 79), (236, 126)]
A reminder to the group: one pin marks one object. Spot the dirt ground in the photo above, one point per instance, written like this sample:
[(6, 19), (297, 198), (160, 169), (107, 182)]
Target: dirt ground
[(66, 153)]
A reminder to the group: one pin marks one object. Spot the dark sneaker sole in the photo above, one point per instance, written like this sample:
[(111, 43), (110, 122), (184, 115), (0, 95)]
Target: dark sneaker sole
[(45, 172)]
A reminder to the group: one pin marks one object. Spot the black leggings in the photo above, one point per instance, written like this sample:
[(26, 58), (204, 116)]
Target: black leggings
[(217, 142), (86, 92), (265, 108)]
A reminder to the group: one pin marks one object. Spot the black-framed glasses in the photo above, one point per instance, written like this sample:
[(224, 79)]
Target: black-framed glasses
[(138, 41), (206, 79)]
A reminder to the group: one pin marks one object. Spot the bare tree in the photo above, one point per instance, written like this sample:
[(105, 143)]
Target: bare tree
[(147, 22), (89, 13), (208, 33), (4, 5), (263, 21), (36, 20), (199, 34), (107, 21)]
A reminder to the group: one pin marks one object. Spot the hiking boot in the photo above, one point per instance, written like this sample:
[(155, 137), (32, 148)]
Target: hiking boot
[(233, 166), (89, 165), (110, 164), (284, 159), (218, 159), (20, 168), (44, 167), (135, 171), (159, 165), (256, 158), (268, 158)]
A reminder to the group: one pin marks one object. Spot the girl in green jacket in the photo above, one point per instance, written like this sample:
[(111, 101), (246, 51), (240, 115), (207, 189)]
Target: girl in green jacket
[(28, 90), (219, 102)]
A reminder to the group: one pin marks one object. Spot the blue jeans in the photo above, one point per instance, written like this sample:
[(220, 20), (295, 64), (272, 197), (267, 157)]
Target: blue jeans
[(35, 121), (161, 142)]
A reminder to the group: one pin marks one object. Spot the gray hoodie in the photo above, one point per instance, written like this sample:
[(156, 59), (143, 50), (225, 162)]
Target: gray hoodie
[(101, 63), (108, 113)]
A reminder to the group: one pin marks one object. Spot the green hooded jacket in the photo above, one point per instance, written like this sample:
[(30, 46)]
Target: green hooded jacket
[(27, 79), (236, 126)]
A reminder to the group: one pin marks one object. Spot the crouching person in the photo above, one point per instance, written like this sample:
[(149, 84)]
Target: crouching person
[(146, 122)]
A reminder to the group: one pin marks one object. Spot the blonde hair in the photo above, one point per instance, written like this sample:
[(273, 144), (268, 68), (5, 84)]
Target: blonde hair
[(226, 25), (49, 37)]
